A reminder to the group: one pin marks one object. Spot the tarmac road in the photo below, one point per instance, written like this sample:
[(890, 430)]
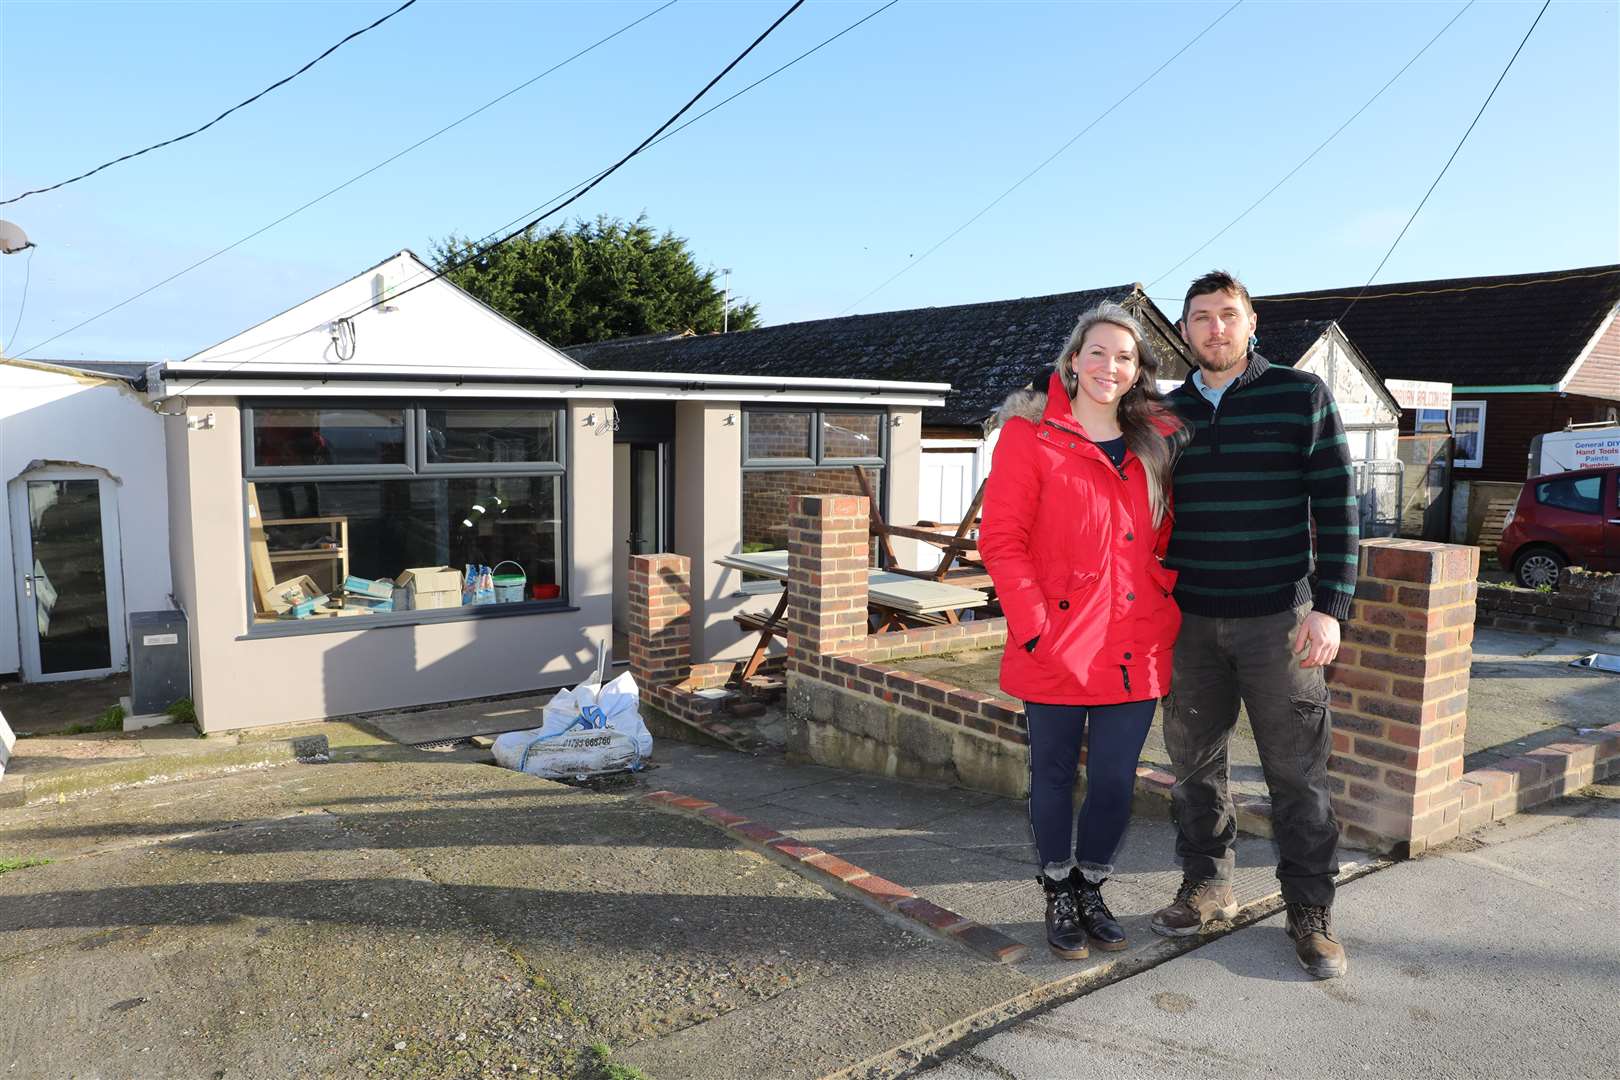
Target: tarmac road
[(1496, 957)]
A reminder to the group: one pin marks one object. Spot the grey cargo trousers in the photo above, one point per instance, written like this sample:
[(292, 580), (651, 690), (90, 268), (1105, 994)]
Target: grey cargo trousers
[(1217, 663)]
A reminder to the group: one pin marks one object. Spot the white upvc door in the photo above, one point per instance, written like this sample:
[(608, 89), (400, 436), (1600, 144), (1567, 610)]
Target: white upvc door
[(945, 488), (68, 567)]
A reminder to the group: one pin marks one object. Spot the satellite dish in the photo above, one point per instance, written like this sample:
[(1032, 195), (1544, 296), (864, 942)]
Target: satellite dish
[(12, 238)]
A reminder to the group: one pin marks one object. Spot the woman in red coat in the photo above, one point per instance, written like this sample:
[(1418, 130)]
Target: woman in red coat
[(1076, 520)]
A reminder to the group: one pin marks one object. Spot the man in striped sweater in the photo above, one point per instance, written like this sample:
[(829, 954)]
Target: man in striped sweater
[(1267, 461)]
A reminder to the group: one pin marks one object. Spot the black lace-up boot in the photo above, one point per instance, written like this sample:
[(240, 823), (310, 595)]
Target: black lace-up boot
[(1064, 932), (1101, 926)]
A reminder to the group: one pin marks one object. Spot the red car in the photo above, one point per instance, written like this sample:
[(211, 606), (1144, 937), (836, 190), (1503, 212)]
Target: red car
[(1568, 518)]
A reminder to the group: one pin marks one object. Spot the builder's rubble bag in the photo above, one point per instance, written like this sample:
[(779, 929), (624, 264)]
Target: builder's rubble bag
[(587, 731)]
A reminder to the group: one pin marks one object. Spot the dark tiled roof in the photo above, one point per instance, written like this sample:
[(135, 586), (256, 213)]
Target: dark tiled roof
[(1482, 331), (984, 350), (1286, 343)]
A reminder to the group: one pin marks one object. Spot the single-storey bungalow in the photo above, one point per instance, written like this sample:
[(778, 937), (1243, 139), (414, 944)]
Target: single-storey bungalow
[(85, 536), (984, 350), (335, 471), (1525, 354), (987, 350)]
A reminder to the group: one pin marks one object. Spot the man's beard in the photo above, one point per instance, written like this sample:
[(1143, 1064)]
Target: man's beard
[(1217, 367)]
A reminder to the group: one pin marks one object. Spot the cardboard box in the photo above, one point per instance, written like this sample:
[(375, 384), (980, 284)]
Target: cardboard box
[(376, 590), (430, 587), (297, 597)]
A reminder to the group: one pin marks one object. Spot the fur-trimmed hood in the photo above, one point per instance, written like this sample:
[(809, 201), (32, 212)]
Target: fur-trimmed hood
[(1028, 403)]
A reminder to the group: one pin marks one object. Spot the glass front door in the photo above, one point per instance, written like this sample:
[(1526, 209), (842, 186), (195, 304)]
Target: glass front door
[(647, 501), (71, 612)]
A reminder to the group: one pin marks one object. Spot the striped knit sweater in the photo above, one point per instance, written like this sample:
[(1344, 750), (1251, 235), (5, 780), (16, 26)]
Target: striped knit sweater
[(1248, 486)]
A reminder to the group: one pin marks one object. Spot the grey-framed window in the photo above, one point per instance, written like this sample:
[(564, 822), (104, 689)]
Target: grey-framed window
[(388, 539), (806, 451), (484, 440), (337, 438)]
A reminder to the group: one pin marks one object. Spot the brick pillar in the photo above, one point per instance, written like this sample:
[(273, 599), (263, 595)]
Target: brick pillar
[(827, 564), (1400, 695), (660, 618)]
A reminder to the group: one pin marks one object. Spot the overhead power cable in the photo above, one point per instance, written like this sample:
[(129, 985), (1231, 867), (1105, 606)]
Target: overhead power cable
[(217, 119), (486, 249), (1455, 151), (874, 13), (28, 274), (1307, 159), (671, 133), (353, 179), (1050, 158)]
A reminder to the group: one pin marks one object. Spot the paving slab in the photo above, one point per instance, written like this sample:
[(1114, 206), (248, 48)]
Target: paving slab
[(462, 721), (1495, 984)]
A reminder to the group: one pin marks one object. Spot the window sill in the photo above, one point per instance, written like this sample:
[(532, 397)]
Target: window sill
[(399, 619)]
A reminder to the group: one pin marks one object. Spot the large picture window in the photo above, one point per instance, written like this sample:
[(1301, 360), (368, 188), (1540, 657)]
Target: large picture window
[(391, 512), (807, 451)]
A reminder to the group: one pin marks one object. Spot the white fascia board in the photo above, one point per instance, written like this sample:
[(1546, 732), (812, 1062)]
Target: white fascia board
[(295, 388), (187, 379), (281, 380)]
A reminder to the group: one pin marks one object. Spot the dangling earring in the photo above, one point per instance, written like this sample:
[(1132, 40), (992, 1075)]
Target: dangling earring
[(1254, 340)]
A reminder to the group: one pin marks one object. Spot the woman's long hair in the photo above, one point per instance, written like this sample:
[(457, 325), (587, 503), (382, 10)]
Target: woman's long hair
[(1143, 417)]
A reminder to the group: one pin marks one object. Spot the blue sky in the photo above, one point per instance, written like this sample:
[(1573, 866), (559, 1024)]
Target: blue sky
[(813, 188)]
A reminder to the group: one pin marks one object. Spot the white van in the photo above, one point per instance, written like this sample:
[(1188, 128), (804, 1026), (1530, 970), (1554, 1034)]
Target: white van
[(1575, 448)]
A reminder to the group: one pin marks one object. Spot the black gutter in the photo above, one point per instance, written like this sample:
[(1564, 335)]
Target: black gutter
[(204, 377)]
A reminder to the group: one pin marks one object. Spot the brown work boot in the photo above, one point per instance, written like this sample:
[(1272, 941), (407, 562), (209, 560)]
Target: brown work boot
[(1319, 952), (1198, 902)]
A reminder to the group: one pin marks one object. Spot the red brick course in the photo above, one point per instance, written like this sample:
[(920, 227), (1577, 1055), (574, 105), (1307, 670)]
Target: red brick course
[(826, 867)]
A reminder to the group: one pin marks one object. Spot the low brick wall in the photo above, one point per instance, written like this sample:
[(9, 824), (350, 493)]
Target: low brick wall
[(1543, 774), (1586, 604), (1399, 688)]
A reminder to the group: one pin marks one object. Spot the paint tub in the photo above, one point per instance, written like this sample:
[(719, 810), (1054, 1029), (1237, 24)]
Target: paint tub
[(509, 587), (545, 592)]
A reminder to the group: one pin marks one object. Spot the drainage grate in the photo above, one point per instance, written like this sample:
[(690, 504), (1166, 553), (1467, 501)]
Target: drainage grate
[(442, 744)]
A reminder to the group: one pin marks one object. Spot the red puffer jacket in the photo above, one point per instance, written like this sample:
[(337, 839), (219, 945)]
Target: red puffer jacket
[(1069, 541)]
